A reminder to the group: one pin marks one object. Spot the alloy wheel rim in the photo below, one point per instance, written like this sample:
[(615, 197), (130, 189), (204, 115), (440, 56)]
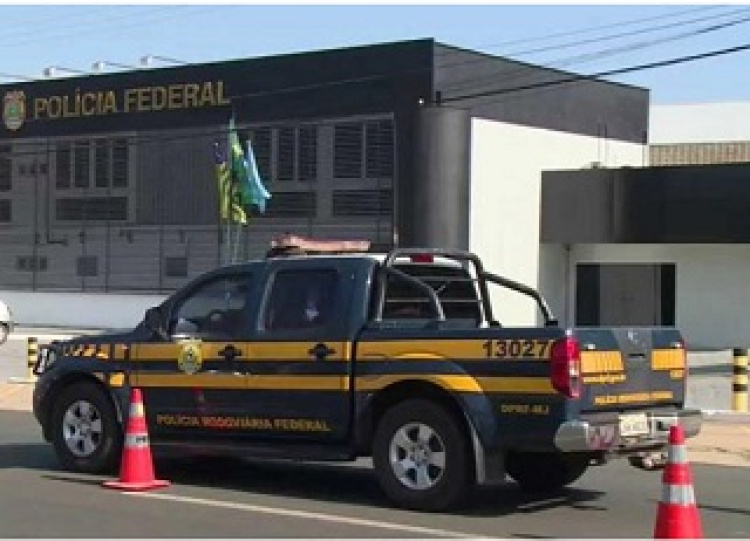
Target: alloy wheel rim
[(82, 428), (417, 456)]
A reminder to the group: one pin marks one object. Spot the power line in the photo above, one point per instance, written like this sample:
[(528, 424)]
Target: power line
[(152, 16), (619, 35), (591, 29)]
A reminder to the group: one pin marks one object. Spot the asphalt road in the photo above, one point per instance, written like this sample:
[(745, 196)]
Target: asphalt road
[(233, 499)]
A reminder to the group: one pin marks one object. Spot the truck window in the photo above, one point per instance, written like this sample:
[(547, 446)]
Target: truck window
[(214, 309), (453, 286), (300, 299)]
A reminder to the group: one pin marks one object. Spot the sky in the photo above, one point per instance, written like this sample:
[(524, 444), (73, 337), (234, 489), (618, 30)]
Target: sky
[(581, 38)]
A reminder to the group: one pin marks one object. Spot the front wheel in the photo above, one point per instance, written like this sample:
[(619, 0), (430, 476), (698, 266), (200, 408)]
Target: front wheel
[(86, 434), (4, 331), (542, 472), (422, 456)]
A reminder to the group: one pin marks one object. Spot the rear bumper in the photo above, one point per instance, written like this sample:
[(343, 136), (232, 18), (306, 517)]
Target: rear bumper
[(603, 432)]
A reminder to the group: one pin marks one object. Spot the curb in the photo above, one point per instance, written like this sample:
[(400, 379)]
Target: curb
[(727, 416)]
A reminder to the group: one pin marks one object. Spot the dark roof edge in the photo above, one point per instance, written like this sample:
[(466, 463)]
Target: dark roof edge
[(537, 66)]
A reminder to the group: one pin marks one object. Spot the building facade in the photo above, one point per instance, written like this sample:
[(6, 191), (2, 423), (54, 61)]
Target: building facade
[(108, 195), (667, 244)]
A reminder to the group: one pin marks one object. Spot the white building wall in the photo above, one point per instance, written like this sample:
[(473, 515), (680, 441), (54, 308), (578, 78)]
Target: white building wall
[(699, 123), (78, 310), (712, 292), (506, 165)]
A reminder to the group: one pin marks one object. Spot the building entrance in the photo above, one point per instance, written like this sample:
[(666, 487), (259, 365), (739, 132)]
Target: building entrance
[(625, 294)]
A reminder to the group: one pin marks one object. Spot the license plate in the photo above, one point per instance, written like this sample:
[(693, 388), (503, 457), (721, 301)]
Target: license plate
[(633, 424)]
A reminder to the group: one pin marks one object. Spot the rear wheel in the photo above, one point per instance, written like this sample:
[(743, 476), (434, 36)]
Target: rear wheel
[(542, 472), (4, 331), (422, 457), (85, 431)]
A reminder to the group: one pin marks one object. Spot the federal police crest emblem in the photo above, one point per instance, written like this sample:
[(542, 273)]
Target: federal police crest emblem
[(191, 358), (14, 109)]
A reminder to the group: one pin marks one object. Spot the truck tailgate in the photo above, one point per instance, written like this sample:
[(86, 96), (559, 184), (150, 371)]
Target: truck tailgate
[(631, 368)]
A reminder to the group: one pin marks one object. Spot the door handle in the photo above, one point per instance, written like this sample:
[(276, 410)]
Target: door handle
[(321, 351), (229, 352)]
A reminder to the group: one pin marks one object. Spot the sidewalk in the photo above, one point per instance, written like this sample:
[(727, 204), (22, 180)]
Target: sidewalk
[(724, 439)]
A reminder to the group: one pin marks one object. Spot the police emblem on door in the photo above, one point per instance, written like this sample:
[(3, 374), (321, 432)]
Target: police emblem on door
[(191, 358), (14, 109)]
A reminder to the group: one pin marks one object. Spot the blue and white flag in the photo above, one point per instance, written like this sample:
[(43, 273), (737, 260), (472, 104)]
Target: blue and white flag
[(258, 193)]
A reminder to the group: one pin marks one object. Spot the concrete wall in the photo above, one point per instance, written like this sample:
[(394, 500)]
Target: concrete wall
[(712, 296), (506, 165), (78, 310)]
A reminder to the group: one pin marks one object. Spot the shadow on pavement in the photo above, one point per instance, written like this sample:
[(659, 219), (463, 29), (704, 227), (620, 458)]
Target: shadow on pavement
[(34, 456), (351, 484)]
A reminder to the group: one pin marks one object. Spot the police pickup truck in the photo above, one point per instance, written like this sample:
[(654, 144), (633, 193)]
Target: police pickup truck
[(325, 351)]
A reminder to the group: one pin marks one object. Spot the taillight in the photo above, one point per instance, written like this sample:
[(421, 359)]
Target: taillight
[(566, 367), (422, 258)]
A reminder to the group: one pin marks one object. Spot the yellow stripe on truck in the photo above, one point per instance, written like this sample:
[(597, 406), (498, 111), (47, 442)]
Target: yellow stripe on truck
[(463, 349), (462, 384)]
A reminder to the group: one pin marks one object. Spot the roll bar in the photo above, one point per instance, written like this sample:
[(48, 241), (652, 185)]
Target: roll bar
[(483, 277)]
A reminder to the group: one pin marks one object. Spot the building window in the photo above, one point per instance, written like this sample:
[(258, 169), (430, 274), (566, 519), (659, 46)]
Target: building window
[(62, 170), (81, 170), (92, 180), (101, 164), (285, 163), (260, 138), (308, 154), (120, 163), (5, 213), (286, 153), (379, 148), (364, 150), (6, 168), (176, 267), (87, 266), (30, 263), (110, 160), (347, 149)]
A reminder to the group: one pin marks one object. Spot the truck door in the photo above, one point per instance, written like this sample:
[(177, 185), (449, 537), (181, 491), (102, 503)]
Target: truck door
[(194, 379), (299, 367)]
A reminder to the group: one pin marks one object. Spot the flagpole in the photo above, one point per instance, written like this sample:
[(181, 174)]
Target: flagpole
[(227, 241), (237, 242)]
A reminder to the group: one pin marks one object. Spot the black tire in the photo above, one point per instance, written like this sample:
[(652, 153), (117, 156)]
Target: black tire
[(449, 485), (4, 331), (95, 447), (546, 472)]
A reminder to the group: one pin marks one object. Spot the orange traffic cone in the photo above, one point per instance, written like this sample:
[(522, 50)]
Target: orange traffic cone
[(137, 468), (678, 516)]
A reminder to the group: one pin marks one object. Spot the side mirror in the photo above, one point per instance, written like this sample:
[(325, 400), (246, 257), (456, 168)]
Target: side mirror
[(185, 328), (154, 321)]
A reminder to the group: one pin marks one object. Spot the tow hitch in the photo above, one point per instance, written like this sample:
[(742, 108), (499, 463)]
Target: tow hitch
[(654, 460)]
